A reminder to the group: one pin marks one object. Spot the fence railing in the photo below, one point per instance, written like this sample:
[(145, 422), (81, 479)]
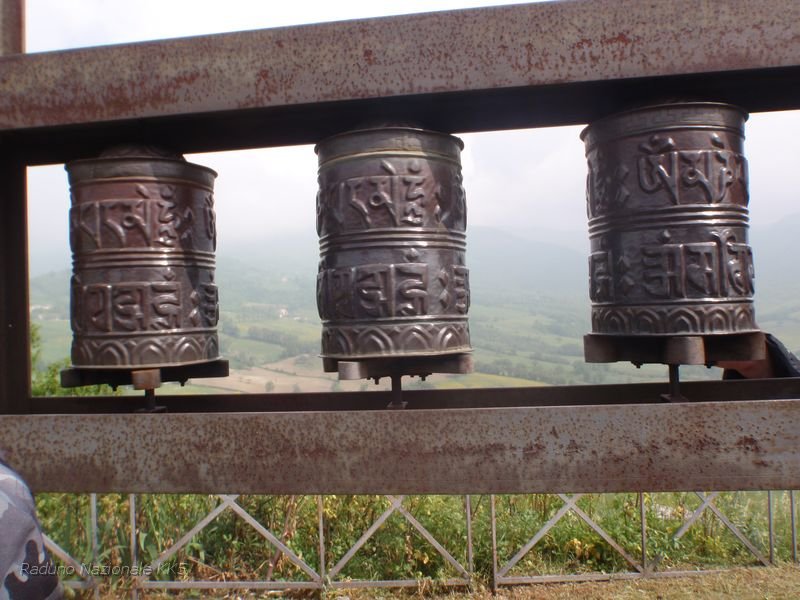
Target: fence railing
[(504, 547)]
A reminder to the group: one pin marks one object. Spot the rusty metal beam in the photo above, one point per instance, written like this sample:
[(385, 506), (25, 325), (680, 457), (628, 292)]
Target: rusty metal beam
[(15, 363), (470, 70), (748, 445), (12, 27), (564, 395)]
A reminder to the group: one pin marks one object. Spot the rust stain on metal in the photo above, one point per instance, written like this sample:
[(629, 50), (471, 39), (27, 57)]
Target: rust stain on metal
[(507, 450), (469, 50)]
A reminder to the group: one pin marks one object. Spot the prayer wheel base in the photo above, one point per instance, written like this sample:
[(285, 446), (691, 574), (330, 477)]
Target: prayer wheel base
[(375, 368), (674, 350), (80, 376)]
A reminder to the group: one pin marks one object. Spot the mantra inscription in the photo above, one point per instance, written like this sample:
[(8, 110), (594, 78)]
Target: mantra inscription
[(667, 204), (143, 234), (391, 216)]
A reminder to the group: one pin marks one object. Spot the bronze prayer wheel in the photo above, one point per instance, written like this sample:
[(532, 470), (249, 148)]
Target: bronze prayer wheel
[(143, 236), (667, 204), (392, 287)]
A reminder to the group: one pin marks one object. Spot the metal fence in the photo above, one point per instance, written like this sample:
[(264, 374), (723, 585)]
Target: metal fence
[(92, 573)]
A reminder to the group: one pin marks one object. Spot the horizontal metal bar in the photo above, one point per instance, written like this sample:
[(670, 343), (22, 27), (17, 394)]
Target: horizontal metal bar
[(398, 583), (470, 70), (230, 585), (576, 578), (751, 445), (567, 395)]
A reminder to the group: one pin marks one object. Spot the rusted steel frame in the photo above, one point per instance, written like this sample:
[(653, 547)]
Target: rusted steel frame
[(321, 531), (393, 583), (603, 534), (493, 519), (14, 312), (12, 27), (393, 504), (568, 395), (134, 552), (643, 521), (771, 527), (606, 448), (735, 530), (794, 525), (270, 537), (94, 534), (396, 505), (86, 582), (604, 577), (15, 362), (470, 547), (229, 502), (434, 542), (707, 502), (570, 504), (230, 585), (468, 70)]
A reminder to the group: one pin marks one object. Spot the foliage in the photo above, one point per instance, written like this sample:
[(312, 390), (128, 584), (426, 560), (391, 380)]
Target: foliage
[(45, 380), (230, 548)]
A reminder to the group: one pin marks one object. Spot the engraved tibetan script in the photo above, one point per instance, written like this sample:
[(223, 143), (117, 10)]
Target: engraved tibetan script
[(682, 173), (391, 290), (141, 306)]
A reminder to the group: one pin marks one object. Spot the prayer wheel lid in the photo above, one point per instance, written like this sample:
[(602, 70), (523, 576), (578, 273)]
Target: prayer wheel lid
[(139, 161), (392, 139), (664, 117)]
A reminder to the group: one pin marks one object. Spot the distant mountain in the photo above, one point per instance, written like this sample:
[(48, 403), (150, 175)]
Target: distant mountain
[(777, 260), (282, 269), (500, 261)]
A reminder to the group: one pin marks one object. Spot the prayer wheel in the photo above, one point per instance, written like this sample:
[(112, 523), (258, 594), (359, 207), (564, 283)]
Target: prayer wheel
[(143, 236), (392, 286), (667, 204)]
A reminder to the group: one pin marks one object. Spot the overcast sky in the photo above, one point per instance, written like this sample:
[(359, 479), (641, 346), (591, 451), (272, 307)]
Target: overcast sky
[(513, 179)]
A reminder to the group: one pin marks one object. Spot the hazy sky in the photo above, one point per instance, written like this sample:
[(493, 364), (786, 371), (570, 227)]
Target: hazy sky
[(536, 177)]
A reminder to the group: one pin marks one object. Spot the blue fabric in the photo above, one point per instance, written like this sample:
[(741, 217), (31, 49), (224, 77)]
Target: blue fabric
[(26, 572)]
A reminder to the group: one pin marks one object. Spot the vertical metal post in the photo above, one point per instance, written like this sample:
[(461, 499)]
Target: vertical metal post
[(493, 517), (15, 359), (643, 516), (794, 526), (470, 557), (12, 27), (15, 363), (134, 561), (771, 528), (93, 517), (321, 517)]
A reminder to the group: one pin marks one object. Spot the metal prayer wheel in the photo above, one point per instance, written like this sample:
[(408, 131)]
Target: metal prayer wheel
[(143, 236), (670, 263), (392, 287)]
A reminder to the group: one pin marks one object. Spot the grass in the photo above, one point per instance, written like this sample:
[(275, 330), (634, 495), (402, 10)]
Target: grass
[(230, 549)]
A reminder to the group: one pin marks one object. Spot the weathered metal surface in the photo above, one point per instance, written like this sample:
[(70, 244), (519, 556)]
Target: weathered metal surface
[(143, 235), (674, 350), (667, 447), (15, 364), (667, 203), (392, 216), (478, 69), (124, 376), (568, 395), (12, 27)]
